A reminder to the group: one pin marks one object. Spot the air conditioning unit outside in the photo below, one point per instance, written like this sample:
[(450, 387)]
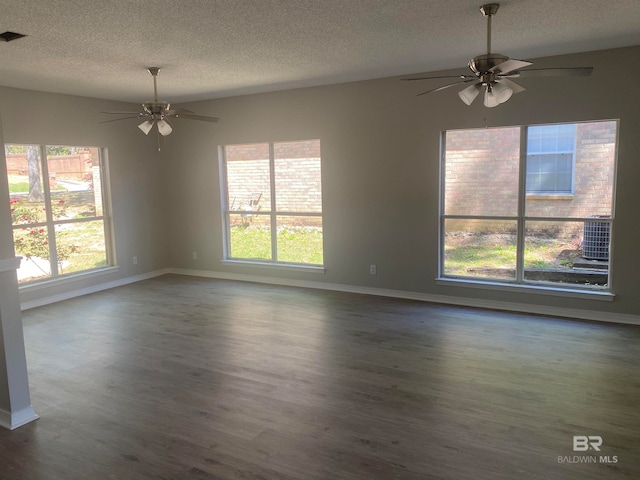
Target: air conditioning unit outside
[(595, 241)]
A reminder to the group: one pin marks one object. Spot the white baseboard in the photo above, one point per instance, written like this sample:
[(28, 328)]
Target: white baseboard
[(13, 420), (92, 289), (537, 309)]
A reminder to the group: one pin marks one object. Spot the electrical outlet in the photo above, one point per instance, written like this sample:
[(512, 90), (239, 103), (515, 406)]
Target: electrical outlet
[(373, 270), (195, 255), (135, 259)]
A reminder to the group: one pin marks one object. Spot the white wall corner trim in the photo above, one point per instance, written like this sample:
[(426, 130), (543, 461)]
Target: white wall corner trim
[(11, 421), (537, 309), (92, 289), (7, 264)]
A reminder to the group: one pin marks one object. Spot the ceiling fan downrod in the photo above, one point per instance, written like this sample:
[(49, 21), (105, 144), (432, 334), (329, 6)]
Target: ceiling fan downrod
[(153, 71), (489, 10)]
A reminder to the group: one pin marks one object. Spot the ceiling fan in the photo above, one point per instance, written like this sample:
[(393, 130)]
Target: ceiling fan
[(159, 113), (492, 72)]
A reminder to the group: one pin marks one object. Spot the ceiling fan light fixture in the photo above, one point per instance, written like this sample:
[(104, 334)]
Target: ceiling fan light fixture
[(469, 94), (495, 94), (146, 126), (164, 127), (502, 92), (490, 98)]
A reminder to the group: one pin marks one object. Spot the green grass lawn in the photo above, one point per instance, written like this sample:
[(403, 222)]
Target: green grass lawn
[(476, 252), (295, 245), (88, 240), (460, 258), (19, 187), (20, 184)]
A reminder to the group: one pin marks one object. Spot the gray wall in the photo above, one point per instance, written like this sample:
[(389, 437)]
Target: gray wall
[(380, 148), (138, 226)]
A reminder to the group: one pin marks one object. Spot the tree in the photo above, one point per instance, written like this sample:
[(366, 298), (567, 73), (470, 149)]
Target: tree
[(33, 166), (14, 149), (57, 150)]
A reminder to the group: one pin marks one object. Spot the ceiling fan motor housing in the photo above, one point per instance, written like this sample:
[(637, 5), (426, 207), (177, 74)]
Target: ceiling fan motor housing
[(482, 64), (155, 108)]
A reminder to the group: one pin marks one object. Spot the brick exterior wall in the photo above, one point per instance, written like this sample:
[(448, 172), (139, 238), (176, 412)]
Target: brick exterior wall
[(482, 172), (482, 175), (297, 177), (593, 176)]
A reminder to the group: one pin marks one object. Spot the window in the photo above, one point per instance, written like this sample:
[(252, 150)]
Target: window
[(550, 151), (58, 209), (494, 230), (272, 202)]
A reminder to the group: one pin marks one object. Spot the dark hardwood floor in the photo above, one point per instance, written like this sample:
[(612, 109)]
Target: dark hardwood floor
[(188, 378)]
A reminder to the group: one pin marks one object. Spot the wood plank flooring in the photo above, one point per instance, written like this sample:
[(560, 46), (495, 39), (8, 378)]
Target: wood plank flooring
[(188, 378)]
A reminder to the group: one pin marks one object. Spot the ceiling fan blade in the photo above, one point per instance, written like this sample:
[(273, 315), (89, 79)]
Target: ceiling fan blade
[(116, 119), (515, 87), (432, 78), (191, 116), (178, 111), (509, 66), (553, 72), (123, 113), (447, 86)]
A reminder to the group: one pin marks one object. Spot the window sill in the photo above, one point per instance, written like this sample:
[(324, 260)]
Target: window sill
[(64, 279), (549, 196), (277, 266), (529, 288)]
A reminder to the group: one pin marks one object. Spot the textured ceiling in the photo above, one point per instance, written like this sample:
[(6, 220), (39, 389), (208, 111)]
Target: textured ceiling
[(216, 48)]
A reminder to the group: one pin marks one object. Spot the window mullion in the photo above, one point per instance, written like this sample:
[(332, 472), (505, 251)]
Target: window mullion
[(106, 213), (51, 234), (272, 186), (226, 217), (441, 205), (522, 197)]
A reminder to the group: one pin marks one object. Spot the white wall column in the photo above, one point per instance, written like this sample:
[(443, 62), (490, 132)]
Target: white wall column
[(15, 398)]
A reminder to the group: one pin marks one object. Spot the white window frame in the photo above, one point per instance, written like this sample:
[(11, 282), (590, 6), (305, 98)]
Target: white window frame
[(520, 283), (273, 213), (50, 222)]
